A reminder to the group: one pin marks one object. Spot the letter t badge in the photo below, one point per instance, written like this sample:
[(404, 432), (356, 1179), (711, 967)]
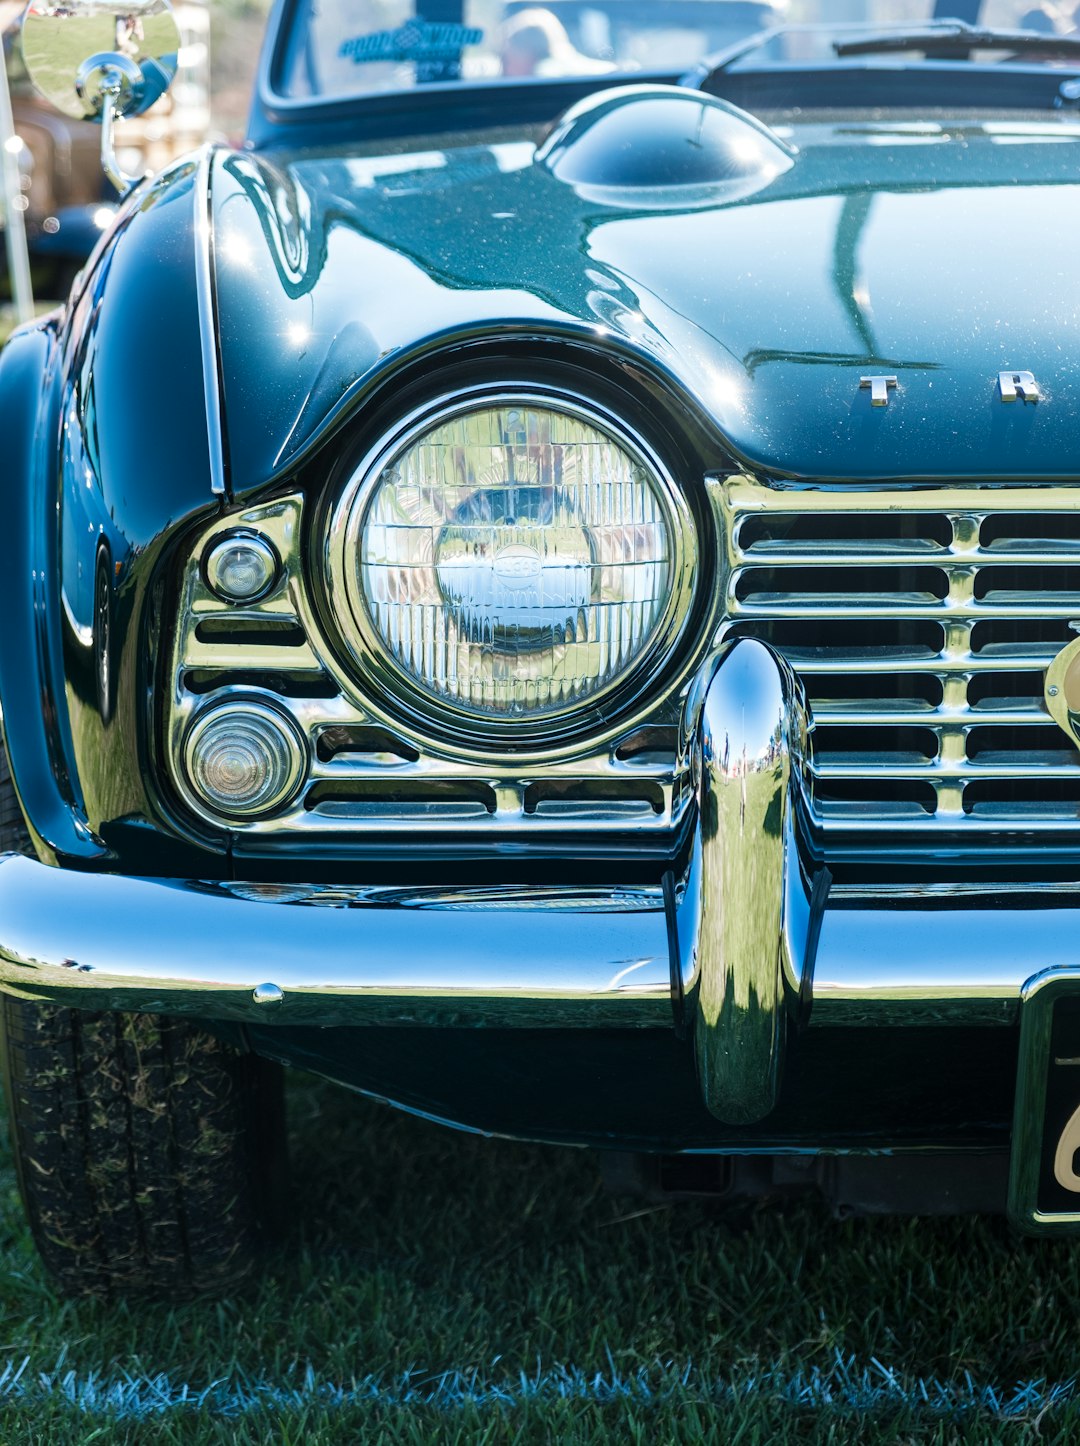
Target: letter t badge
[(879, 389)]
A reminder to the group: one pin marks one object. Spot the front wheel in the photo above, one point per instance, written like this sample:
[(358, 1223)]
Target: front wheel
[(150, 1154), (147, 1150)]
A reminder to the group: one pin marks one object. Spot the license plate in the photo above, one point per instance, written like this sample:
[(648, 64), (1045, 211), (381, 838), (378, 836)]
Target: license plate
[(1044, 1176)]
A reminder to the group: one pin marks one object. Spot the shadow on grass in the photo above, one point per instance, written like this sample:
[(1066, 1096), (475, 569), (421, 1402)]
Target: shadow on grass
[(437, 1278), (443, 1286)]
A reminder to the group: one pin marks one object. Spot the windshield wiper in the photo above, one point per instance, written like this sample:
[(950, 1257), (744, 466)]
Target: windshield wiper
[(941, 39), (952, 36)]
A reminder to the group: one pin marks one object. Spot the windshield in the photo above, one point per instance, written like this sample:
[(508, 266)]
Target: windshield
[(349, 47)]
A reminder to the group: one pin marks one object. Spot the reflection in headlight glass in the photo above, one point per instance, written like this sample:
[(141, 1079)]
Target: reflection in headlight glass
[(515, 560)]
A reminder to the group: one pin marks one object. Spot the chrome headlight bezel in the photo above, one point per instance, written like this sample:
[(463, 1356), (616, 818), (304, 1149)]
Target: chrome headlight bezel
[(436, 715)]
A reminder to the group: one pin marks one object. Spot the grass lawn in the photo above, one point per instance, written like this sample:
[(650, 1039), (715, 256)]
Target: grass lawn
[(438, 1287)]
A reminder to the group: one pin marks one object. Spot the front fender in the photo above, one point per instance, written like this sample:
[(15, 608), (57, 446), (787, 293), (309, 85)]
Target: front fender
[(31, 671), (108, 467), (134, 474)]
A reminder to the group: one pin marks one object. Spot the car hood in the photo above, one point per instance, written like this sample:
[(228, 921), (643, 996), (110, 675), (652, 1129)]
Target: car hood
[(940, 252)]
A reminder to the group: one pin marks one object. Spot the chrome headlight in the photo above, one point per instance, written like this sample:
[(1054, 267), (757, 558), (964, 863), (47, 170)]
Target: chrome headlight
[(513, 558)]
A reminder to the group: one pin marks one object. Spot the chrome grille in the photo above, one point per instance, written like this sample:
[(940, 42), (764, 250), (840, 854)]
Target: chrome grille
[(921, 621), (369, 772)]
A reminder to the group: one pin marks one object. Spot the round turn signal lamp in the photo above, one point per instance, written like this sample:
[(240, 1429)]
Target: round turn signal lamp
[(242, 567), (244, 758)]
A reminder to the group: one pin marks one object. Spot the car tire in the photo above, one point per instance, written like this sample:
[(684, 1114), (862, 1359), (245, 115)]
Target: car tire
[(149, 1153)]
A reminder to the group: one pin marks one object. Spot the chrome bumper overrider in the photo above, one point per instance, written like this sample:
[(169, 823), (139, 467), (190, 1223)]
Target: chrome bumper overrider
[(747, 945)]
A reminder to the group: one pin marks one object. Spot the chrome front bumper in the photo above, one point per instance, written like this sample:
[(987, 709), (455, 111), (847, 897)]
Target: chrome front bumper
[(748, 941)]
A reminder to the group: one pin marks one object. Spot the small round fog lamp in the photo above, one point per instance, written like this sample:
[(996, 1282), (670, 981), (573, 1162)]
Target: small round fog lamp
[(242, 567), (244, 758)]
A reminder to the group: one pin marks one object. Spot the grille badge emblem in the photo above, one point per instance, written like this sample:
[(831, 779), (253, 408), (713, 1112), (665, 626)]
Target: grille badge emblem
[(1062, 690)]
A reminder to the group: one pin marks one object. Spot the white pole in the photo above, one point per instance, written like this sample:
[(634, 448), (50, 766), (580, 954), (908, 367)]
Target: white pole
[(15, 227)]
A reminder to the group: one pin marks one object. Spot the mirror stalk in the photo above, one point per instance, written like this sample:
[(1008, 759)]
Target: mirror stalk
[(111, 89)]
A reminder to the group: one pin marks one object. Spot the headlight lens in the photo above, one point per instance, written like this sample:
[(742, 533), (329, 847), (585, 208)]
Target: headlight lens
[(244, 758), (514, 559)]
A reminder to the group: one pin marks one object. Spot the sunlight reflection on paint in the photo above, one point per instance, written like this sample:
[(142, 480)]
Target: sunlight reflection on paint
[(236, 249), (728, 394)]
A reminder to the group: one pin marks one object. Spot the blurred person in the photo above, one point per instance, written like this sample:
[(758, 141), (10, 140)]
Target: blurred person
[(535, 42), (1039, 21)]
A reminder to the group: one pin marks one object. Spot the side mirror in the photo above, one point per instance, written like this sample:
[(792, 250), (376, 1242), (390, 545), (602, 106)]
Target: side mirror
[(99, 60)]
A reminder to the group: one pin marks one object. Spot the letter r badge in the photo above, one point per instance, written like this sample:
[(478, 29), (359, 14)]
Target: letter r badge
[(1018, 384)]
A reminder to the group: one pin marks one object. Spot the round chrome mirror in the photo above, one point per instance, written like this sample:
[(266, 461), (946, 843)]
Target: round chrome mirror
[(86, 56)]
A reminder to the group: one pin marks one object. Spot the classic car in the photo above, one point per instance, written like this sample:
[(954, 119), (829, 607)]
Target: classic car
[(543, 587)]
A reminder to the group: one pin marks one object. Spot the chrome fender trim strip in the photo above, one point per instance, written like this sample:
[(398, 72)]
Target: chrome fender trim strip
[(204, 281)]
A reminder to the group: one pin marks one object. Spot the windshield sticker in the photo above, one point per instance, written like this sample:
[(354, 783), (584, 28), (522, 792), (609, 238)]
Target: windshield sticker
[(415, 40)]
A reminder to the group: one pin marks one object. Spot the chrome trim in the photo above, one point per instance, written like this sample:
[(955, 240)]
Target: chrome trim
[(440, 717), (1016, 891), (949, 964), (204, 284), (290, 650), (506, 957), (752, 742), (1061, 690), (749, 936), (538, 958), (114, 79), (963, 539)]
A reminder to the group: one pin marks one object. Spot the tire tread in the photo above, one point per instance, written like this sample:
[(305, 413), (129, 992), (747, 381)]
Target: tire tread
[(142, 1143)]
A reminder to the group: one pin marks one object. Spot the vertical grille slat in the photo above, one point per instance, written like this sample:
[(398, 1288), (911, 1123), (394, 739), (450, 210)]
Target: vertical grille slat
[(921, 620)]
